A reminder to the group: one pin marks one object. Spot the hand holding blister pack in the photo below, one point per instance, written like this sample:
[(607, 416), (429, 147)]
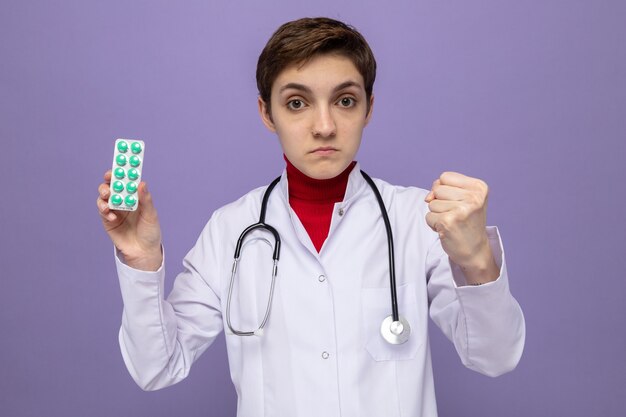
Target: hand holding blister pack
[(126, 172), (132, 225)]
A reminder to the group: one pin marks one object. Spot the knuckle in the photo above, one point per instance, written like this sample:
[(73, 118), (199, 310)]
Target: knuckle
[(475, 200), (446, 221), (463, 211), (429, 220), (483, 184)]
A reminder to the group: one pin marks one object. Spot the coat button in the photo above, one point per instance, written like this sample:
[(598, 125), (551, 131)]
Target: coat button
[(341, 212), (321, 278), (325, 355)]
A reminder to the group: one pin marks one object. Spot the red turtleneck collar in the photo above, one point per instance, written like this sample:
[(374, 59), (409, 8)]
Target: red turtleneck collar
[(313, 200)]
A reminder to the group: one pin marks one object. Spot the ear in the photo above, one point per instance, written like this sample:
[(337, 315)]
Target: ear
[(371, 109), (266, 117)]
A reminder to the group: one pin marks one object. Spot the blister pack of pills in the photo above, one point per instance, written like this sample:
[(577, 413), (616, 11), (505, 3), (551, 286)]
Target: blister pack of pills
[(126, 174)]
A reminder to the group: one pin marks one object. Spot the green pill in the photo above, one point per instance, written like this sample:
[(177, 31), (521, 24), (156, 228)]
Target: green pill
[(118, 186), (119, 173), (120, 160), (134, 161), (130, 200), (122, 146), (133, 174), (136, 147), (116, 199), (131, 187)]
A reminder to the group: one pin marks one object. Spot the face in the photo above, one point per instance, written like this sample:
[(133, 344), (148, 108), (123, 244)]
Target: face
[(319, 111)]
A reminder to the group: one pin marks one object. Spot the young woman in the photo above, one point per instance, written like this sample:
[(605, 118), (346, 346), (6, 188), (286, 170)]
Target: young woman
[(314, 333)]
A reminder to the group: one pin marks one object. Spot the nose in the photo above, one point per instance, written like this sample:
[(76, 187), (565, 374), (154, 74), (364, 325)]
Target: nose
[(324, 124)]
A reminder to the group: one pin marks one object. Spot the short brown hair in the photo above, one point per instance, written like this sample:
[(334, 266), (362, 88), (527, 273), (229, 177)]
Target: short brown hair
[(298, 41)]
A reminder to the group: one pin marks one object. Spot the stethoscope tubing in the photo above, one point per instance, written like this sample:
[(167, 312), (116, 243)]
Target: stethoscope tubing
[(389, 324), (275, 256), (392, 265), (262, 225)]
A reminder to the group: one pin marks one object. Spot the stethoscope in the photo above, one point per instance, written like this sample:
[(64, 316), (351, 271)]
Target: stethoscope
[(394, 329)]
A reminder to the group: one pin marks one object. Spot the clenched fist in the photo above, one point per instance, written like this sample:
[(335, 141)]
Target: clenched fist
[(458, 213)]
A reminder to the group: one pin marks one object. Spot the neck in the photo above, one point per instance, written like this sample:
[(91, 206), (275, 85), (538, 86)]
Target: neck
[(313, 200), (303, 187)]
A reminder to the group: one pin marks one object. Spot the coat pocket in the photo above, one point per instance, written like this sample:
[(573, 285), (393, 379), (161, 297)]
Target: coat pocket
[(376, 306)]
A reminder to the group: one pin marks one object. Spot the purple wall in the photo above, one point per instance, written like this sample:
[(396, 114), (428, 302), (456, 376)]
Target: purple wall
[(530, 96)]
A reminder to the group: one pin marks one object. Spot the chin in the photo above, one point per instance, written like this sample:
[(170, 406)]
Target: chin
[(322, 169), (326, 173)]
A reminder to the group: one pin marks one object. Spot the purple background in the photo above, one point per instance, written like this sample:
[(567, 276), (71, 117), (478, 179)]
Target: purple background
[(530, 96)]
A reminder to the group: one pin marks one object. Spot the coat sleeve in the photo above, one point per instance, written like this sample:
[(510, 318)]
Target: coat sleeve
[(161, 338), (485, 322)]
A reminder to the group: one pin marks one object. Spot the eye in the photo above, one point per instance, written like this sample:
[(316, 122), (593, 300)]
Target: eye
[(347, 102), (295, 104)]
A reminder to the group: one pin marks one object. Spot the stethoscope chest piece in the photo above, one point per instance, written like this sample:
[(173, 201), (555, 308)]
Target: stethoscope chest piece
[(395, 332)]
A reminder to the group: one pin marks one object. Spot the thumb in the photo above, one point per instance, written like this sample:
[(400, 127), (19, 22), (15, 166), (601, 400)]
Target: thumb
[(145, 200), (431, 194)]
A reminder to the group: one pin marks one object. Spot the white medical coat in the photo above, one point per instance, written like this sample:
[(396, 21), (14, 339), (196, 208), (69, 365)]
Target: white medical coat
[(321, 353)]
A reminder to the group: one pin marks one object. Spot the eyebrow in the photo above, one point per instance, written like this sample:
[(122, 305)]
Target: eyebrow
[(304, 88)]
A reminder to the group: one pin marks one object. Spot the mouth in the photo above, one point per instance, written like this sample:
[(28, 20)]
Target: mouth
[(324, 150)]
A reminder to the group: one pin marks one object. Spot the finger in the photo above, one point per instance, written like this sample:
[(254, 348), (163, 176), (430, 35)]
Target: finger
[(447, 192), (442, 206), (438, 222), (431, 219), (107, 177), (145, 200), (103, 207), (104, 211), (434, 222), (104, 190), (430, 196), (456, 179)]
